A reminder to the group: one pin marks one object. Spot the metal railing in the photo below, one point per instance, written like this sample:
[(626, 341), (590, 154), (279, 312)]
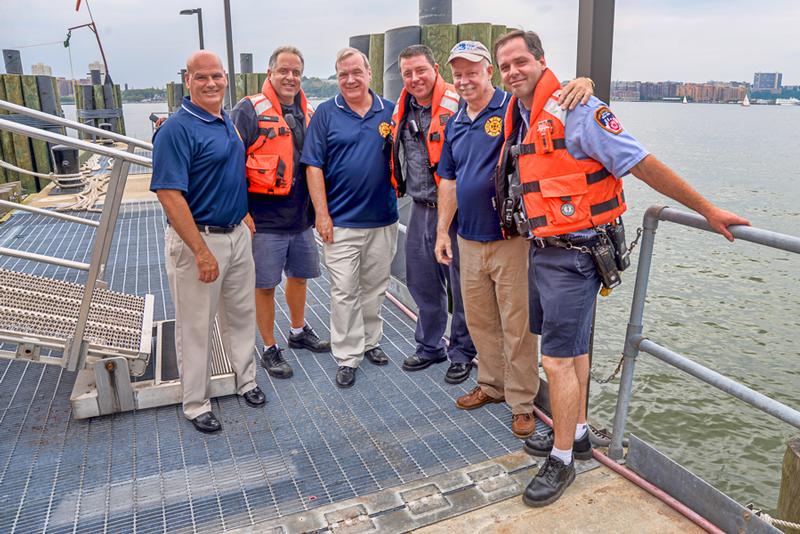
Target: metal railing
[(76, 347), (636, 342)]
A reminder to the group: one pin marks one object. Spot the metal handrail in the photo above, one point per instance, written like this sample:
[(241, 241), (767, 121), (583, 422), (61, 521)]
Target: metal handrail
[(52, 137), (79, 126), (636, 342)]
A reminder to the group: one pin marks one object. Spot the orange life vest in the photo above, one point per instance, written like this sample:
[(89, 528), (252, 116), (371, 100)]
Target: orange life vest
[(443, 105), (551, 192), (270, 159)]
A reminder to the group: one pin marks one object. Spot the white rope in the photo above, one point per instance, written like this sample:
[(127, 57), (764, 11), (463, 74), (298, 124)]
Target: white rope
[(49, 176), (779, 522)]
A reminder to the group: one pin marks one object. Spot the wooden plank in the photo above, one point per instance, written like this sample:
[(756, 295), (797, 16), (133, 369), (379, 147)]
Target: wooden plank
[(441, 38), (789, 496), (252, 83), (22, 148), (241, 88), (376, 61), (5, 141), (262, 77), (498, 30), (118, 105), (59, 109), (41, 158), (99, 102)]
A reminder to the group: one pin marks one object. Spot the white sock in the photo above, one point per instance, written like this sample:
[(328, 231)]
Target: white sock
[(266, 348), (580, 430), (565, 456), (297, 331)]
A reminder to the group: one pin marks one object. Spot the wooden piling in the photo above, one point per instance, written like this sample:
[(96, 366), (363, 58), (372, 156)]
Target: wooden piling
[(99, 102), (40, 152), (241, 88), (252, 83), (22, 148), (789, 496), (376, 42), (6, 144)]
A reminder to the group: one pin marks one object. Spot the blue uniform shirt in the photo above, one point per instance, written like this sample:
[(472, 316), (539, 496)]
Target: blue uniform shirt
[(354, 157), (202, 156), (469, 156), (284, 214)]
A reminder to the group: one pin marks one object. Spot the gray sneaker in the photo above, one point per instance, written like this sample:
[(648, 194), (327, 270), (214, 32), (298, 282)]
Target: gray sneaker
[(272, 360), (308, 339)]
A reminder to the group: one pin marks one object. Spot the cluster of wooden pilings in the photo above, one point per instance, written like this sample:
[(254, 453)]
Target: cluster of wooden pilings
[(246, 84), (99, 104), (36, 92)]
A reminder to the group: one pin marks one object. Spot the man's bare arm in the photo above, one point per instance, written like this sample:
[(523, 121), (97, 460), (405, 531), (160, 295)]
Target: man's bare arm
[(447, 209), (664, 180), (316, 190), (181, 220)]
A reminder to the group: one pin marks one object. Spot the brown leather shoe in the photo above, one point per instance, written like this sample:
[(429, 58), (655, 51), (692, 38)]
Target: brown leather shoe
[(475, 399), (523, 424)]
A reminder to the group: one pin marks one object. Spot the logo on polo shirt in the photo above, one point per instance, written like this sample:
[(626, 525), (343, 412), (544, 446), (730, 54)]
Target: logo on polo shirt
[(493, 126), (384, 129)]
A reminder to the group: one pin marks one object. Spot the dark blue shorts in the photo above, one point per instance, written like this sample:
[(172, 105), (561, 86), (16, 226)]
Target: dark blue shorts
[(562, 286), (295, 254)]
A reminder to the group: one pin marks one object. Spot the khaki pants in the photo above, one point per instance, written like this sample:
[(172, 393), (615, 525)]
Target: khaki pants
[(494, 284), (196, 304), (359, 261)]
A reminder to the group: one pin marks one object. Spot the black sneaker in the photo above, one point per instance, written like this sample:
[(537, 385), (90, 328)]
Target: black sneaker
[(272, 360), (542, 444), (308, 339), (548, 485)]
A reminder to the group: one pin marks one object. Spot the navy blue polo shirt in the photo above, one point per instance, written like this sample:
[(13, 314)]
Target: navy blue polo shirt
[(354, 157), (202, 156), (470, 154), (277, 214)]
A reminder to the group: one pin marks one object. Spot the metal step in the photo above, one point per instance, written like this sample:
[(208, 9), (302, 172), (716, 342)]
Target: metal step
[(41, 312), (106, 387)]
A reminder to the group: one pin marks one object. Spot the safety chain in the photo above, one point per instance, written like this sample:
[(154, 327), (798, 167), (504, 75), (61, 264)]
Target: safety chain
[(610, 377), (634, 242), (771, 520)]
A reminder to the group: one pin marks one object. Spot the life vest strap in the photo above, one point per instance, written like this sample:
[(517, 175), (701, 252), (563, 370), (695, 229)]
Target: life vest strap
[(603, 207), (536, 222), (526, 149), (598, 176)]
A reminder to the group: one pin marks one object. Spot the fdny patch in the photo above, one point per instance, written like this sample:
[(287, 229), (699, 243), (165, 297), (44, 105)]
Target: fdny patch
[(493, 126), (384, 129), (607, 120)]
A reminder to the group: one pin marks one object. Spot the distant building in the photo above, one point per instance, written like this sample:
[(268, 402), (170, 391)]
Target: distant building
[(65, 87), (97, 65), (41, 69), (767, 81)]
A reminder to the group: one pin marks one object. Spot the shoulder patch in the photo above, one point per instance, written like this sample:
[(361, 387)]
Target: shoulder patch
[(607, 120)]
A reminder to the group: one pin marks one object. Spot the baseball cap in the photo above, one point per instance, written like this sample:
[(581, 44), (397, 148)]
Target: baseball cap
[(473, 51)]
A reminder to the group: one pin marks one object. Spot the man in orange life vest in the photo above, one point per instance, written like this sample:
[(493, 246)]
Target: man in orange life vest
[(422, 111), (273, 125), (569, 167)]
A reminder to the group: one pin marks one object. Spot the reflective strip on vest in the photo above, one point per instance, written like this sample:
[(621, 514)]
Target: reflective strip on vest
[(260, 103), (448, 104), (554, 109)]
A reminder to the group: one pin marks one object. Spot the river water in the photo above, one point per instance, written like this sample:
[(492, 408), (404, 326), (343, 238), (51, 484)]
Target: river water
[(733, 308)]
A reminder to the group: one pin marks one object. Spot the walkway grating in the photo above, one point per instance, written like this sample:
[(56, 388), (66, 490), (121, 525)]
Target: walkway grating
[(150, 471)]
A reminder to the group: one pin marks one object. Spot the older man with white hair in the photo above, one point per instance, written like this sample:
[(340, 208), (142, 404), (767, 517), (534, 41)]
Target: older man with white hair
[(346, 152)]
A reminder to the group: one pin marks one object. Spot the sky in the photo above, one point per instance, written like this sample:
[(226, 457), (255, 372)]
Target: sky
[(147, 41)]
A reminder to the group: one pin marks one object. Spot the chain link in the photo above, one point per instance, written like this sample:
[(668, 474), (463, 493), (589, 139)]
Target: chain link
[(610, 377), (635, 241)]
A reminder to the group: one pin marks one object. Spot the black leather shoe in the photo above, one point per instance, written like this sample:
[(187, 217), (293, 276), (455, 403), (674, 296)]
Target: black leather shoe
[(542, 444), (418, 363), (272, 360), (255, 397), (207, 422), (376, 356), (547, 486), (345, 377), (457, 373), (308, 339)]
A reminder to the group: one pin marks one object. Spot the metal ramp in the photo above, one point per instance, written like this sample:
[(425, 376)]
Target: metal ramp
[(107, 336)]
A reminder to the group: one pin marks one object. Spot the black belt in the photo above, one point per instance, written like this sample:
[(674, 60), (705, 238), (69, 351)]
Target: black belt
[(561, 242), (208, 229), (426, 203)]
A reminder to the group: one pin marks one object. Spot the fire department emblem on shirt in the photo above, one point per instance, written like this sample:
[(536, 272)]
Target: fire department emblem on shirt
[(384, 129), (607, 120), (493, 126)]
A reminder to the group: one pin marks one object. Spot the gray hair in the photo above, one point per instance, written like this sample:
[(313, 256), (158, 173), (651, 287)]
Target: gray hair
[(285, 49), (346, 52)]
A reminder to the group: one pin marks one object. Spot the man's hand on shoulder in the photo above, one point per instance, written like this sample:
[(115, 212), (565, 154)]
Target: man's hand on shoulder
[(719, 220), (207, 267), (578, 91)]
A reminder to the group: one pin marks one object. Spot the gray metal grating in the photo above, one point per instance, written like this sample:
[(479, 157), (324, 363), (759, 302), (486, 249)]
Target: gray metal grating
[(150, 471)]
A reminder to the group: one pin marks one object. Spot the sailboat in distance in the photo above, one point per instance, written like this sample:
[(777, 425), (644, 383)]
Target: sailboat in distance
[(746, 102), (684, 100)]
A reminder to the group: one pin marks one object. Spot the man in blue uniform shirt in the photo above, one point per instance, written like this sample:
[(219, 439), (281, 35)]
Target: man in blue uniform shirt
[(198, 175), (284, 240), (563, 281), (347, 157)]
